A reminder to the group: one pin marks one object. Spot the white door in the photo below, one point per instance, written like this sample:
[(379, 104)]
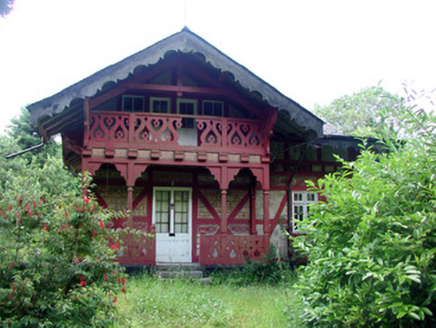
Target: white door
[(172, 210)]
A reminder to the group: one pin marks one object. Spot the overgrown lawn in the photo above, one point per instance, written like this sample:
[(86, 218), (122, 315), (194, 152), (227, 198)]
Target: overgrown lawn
[(150, 302)]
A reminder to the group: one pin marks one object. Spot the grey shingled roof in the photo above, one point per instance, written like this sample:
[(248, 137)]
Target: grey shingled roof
[(184, 41)]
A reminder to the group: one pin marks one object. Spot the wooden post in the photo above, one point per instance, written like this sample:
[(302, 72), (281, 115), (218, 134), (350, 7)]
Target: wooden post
[(224, 211), (266, 222), (130, 206), (253, 229)]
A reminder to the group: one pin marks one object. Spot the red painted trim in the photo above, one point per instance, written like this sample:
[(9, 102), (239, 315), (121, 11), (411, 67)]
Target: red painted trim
[(150, 199), (209, 207), (237, 209), (282, 205), (140, 197), (194, 218)]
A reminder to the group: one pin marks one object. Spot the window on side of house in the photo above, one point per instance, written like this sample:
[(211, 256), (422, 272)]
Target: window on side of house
[(133, 103), (160, 105), (213, 108), (300, 207), (187, 107)]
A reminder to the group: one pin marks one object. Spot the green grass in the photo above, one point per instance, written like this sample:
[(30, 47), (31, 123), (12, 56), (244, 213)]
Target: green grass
[(150, 302)]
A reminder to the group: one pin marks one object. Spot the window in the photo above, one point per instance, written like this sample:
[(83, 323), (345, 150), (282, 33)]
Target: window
[(300, 207), (133, 104), (187, 107), (160, 105), (213, 108)]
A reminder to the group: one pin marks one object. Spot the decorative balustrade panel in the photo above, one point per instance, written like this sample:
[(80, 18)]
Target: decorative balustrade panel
[(231, 250), (157, 131), (109, 128), (138, 250), (242, 134)]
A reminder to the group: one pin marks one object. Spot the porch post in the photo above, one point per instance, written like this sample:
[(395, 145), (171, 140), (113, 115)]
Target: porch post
[(224, 211), (130, 206), (266, 212), (253, 229)]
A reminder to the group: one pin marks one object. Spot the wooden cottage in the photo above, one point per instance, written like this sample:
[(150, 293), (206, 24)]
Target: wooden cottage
[(205, 155)]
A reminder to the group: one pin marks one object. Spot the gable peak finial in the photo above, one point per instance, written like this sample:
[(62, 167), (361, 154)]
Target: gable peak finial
[(186, 29)]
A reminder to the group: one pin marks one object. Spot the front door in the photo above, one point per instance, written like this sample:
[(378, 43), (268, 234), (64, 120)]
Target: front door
[(172, 216)]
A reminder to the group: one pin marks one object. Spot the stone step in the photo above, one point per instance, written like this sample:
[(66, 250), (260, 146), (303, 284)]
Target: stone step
[(178, 267), (195, 274)]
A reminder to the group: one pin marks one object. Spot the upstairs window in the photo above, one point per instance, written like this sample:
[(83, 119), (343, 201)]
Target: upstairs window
[(133, 104), (187, 107), (213, 108), (160, 105), (300, 207)]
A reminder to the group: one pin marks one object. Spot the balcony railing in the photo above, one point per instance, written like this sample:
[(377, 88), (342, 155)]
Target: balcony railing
[(232, 250), (176, 132)]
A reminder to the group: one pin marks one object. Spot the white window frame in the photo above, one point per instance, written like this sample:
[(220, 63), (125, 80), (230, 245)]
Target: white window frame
[(188, 101), (213, 102), (168, 100), (301, 199), (131, 110)]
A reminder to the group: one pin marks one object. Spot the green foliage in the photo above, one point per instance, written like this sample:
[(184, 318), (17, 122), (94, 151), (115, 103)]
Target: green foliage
[(56, 258), (364, 113), (44, 166), (372, 247), (271, 270)]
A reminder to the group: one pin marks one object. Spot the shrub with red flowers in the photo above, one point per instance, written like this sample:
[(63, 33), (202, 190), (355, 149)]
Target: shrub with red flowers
[(57, 267)]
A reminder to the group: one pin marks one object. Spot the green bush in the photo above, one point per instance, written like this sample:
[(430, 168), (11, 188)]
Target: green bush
[(270, 270), (57, 265), (371, 248)]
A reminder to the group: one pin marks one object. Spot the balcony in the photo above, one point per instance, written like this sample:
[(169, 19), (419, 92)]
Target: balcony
[(150, 131)]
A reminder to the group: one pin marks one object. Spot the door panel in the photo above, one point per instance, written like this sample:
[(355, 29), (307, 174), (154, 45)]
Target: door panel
[(172, 217)]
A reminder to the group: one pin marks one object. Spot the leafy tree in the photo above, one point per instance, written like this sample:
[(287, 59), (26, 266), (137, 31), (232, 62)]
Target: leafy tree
[(372, 247), (6, 7), (56, 266), (364, 113)]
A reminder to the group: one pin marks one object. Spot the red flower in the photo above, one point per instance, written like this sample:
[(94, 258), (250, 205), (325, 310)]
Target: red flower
[(123, 290), (86, 200), (115, 299), (82, 281), (13, 287), (10, 208), (78, 208), (45, 227), (123, 281), (114, 246), (29, 212), (119, 279), (94, 233), (12, 265), (101, 224), (34, 204), (105, 277)]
